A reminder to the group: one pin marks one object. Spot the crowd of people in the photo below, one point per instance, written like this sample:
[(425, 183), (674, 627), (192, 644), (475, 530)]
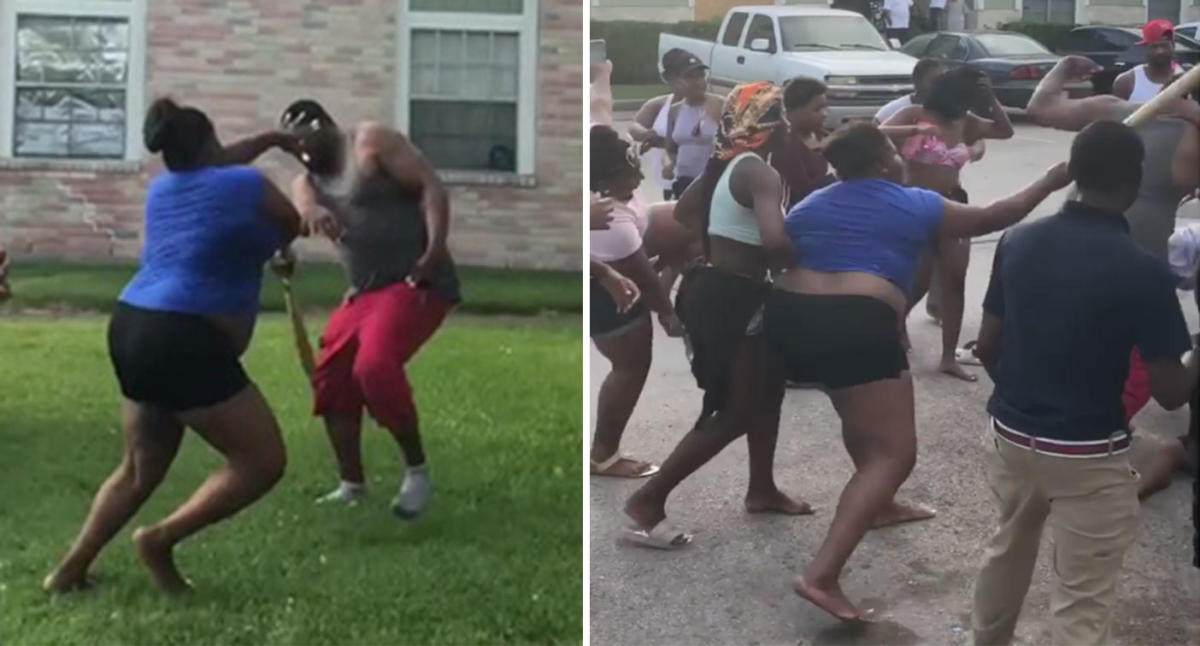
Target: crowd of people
[(182, 323), (804, 253)]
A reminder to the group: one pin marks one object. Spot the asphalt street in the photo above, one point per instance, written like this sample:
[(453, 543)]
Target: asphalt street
[(732, 585)]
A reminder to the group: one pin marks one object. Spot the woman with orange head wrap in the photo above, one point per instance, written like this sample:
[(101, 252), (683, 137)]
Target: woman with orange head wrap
[(736, 206)]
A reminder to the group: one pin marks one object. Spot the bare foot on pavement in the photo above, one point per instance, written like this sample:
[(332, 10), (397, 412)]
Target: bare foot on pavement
[(897, 513), (776, 502), (830, 599)]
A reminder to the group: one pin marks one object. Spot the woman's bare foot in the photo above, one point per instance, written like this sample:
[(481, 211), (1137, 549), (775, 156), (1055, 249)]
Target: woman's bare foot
[(156, 553), (951, 367), (896, 513), (828, 598), (66, 579), (644, 515), (776, 502)]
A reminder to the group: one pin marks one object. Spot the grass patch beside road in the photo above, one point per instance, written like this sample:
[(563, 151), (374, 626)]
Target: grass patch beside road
[(638, 92), (94, 287)]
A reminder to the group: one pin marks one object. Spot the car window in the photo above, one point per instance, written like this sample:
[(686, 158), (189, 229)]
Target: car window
[(761, 27), (917, 46), (1085, 40), (829, 32), (1119, 38), (733, 29), (1002, 45), (947, 48)]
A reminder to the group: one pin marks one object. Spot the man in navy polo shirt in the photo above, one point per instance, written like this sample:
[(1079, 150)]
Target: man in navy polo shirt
[(1070, 297)]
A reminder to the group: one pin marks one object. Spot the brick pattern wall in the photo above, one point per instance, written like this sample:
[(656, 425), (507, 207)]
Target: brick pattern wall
[(243, 61)]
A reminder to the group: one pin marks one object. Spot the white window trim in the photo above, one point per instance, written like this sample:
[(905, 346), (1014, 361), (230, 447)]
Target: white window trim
[(133, 10), (524, 24)]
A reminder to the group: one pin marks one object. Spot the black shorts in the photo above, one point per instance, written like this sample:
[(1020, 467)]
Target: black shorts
[(605, 320), (836, 340), (173, 361), (679, 186), (719, 310)]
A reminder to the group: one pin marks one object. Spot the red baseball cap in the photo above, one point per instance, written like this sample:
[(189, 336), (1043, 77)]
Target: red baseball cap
[(1157, 30)]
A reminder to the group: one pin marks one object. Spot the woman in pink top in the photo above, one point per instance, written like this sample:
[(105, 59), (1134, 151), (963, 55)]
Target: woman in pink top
[(623, 336), (936, 140)]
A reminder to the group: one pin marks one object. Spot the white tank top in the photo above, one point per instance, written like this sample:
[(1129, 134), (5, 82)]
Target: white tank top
[(658, 156), (727, 218), (694, 134), (1143, 88)]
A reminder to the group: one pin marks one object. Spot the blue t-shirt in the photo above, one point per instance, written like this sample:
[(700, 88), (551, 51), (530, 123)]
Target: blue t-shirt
[(865, 225), (206, 243), (1075, 295)]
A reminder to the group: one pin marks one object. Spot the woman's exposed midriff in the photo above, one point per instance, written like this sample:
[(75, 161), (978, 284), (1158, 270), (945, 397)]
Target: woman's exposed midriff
[(939, 179), (737, 257), (850, 283)]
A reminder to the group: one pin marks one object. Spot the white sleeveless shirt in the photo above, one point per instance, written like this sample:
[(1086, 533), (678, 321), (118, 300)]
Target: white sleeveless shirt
[(658, 156), (1144, 89)]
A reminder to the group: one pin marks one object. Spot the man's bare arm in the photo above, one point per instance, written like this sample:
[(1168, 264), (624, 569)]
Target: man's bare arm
[(245, 151), (642, 127), (1050, 107), (401, 160)]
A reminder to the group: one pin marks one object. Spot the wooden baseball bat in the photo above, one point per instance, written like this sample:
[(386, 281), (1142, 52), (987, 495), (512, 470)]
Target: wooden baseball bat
[(299, 331), (1178, 88)]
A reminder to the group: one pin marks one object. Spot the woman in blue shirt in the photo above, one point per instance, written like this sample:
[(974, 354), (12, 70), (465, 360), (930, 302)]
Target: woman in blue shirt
[(176, 336), (835, 319)]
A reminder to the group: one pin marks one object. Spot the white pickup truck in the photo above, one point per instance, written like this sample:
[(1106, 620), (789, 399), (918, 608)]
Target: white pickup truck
[(778, 44)]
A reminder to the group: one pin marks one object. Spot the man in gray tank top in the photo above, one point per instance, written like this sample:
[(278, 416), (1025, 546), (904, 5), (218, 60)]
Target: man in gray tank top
[(372, 192)]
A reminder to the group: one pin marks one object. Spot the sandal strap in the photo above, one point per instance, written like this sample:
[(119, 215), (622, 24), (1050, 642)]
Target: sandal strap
[(607, 464)]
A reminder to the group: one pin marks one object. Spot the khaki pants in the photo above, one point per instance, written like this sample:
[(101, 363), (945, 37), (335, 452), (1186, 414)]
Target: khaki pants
[(1092, 508)]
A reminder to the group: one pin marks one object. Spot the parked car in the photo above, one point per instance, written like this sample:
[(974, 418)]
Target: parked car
[(1014, 62), (777, 44), (1189, 30), (1116, 50)]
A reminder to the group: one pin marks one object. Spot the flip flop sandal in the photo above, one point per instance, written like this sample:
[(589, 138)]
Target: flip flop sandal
[(966, 355), (602, 468), (662, 536)]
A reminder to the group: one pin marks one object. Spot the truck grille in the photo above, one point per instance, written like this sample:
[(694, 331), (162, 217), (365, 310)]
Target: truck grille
[(871, 90), (885, 80)]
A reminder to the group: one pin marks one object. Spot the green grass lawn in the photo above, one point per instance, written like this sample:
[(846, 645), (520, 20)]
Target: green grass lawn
[(49, 285), (497, 558), (642, 92)]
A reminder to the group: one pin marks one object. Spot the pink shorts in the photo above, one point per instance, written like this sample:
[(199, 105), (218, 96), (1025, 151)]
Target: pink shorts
[(368, 341)]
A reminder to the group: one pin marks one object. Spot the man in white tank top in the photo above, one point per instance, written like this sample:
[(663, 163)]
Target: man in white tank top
[(1143, 82)]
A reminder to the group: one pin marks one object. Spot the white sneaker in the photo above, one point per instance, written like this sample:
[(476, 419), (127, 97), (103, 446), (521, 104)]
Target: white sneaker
[(347, 493), (415, 493)]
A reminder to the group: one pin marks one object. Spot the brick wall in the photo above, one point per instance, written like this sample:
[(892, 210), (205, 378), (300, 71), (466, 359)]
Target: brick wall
[(243, 61)]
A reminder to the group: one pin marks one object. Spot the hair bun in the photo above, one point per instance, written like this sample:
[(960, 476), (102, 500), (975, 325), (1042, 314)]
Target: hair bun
[(157, 125)]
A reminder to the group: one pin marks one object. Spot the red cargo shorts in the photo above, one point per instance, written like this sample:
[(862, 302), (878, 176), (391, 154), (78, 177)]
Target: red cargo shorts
[(369, 339), (1137, 387)]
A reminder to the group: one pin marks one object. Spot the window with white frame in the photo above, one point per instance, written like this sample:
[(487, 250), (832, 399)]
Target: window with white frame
[(467, 82), (72, 75)]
